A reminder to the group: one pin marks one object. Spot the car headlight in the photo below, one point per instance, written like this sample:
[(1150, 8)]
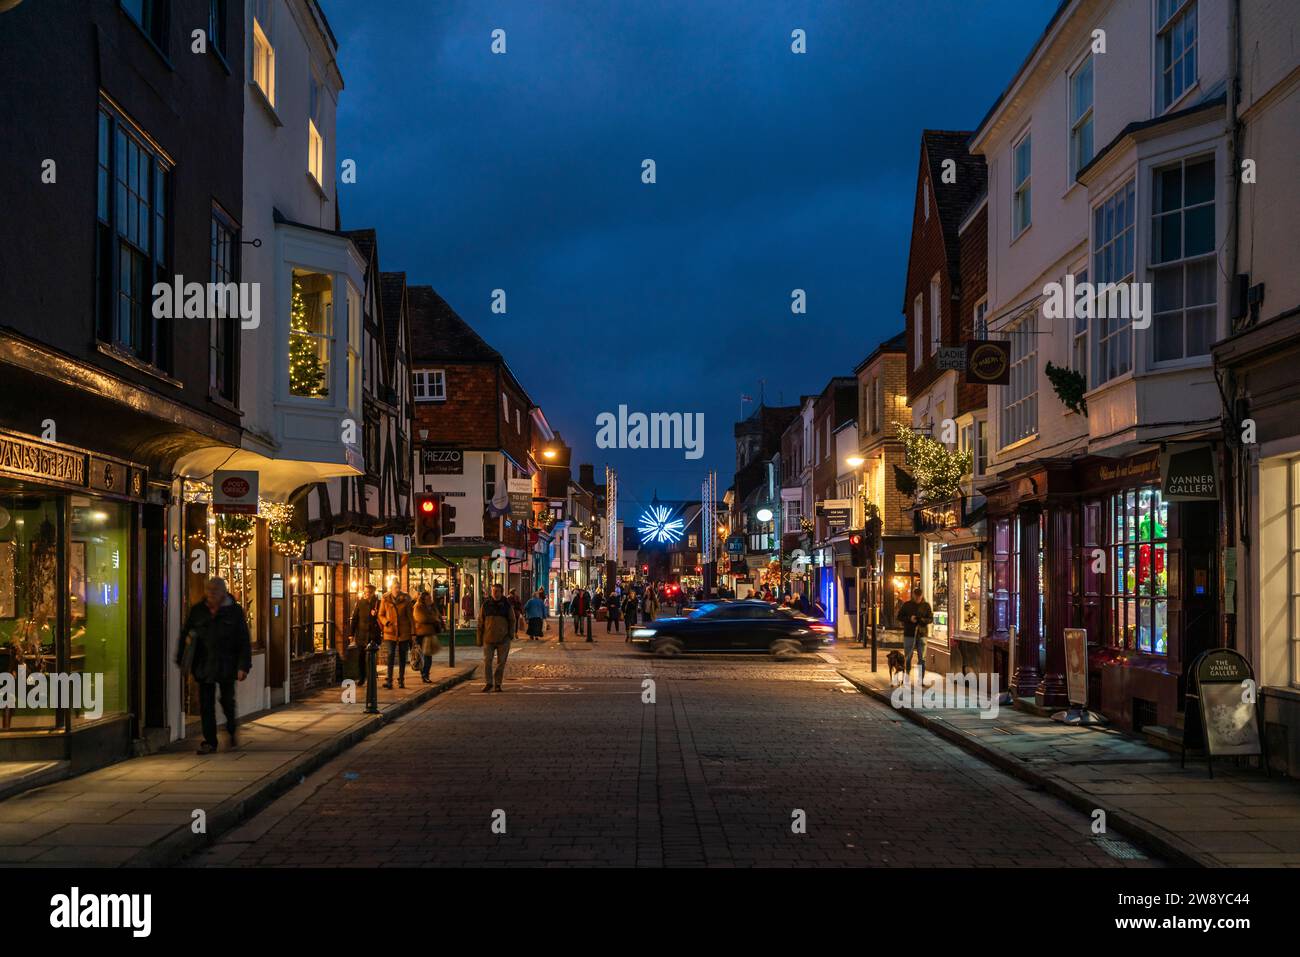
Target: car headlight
[(643, 633)]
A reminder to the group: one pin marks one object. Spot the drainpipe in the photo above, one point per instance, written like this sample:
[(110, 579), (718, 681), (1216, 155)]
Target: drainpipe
[(1233, 131)]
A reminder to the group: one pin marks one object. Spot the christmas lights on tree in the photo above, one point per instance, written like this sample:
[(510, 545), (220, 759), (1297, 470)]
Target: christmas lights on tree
[(938, 471), (306, 371)]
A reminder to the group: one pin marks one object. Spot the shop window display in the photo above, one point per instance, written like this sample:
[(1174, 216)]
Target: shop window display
[(1138, 579), (29, 613), (99, 592), (939, 590), (970, 597)]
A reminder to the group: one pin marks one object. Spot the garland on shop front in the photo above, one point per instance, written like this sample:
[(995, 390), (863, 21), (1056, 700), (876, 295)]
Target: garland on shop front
[(235, 531)]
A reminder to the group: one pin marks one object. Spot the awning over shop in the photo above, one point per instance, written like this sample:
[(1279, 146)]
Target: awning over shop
[(959, 553)]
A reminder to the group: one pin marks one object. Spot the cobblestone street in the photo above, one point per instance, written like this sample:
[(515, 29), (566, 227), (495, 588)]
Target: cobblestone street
[(718, 771)]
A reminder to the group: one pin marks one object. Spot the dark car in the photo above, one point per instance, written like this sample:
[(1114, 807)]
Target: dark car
[(735, 626)]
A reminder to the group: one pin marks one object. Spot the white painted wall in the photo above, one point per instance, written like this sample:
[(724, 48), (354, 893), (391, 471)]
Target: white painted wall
[(1057, 241)]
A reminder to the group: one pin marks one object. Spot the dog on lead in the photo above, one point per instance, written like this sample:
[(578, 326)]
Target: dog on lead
[(896, 664)]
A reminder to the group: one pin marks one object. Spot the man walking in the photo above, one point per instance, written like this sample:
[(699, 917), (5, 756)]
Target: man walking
[(496, 629), (365, 628), (916, 615), (396, 618), (581, 608), (222, 654)]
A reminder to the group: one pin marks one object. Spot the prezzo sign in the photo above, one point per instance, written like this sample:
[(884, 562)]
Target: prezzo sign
[(442, 461), (234, 492)]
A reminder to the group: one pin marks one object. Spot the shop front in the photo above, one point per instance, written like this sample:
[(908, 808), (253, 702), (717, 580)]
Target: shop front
[(947, 533), (81, 552), (1096, 544), (1261, 568)]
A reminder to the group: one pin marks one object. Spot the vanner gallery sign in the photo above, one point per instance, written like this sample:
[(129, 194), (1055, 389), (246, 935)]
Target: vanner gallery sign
[(1189, 473), (234, 492)]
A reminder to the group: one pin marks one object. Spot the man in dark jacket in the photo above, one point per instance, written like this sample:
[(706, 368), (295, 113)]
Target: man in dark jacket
[(365, 627), (223, 654), (916, 615), (581, 609)]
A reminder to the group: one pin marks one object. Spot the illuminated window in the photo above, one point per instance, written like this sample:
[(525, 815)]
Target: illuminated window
[(311, 334), (263, 51), (1136, 581)]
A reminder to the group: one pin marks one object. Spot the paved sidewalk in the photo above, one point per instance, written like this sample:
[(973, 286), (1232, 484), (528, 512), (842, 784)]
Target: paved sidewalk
[(1241, 818), (139, 812)]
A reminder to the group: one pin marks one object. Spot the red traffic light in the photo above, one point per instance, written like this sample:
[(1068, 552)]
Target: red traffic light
[(855, 539), (428, 505)]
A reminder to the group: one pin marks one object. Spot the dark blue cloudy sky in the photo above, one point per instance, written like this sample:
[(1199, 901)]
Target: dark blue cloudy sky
[(776, 171)]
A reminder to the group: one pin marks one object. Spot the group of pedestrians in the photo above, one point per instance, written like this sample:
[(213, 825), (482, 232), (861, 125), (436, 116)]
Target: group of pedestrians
[(399, 621)]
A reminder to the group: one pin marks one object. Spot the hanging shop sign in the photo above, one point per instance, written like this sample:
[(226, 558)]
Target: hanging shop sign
[(442, 461), (234, 492), (988, 362), (951, 357), (838, 513), (736, 545), (1222, 715), (1189, 473)]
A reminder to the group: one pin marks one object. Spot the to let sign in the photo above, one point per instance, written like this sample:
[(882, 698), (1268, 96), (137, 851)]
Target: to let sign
[(234, 492)]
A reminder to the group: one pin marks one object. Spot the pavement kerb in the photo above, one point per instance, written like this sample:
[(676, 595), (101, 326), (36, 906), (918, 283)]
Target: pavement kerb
[(182, 842), (1168, 846)]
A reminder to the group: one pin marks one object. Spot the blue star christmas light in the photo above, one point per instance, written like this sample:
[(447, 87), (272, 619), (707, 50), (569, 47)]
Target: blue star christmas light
[(658, 526)]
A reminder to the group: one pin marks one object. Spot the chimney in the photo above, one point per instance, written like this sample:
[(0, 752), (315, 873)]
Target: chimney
[(587, 476)]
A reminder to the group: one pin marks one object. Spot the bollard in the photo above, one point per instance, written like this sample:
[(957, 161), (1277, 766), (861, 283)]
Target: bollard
[(372, 678), (591, 624), (560, 616)]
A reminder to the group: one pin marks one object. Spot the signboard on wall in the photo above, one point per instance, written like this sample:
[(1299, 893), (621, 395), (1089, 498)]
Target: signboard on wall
[(838, 513), (521, 498), (234, 492), (951, 357), (442, 461)]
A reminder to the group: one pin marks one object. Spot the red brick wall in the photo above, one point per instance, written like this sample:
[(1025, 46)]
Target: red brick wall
[(310, 673), (927, 256), (974, 284), (471, 413)]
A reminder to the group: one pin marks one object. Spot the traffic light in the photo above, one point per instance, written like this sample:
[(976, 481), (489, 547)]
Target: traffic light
[(448, 518), (858, 548), (428, 520)]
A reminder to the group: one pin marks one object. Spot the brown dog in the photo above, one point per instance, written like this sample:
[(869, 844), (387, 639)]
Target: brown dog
[(896, 664)]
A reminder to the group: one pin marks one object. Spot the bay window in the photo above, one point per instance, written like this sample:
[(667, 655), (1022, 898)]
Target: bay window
[(1183, 264), (311, 334), (1112, 262)]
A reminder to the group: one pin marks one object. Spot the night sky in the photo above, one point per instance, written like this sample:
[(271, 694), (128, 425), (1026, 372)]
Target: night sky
[(775, 171)]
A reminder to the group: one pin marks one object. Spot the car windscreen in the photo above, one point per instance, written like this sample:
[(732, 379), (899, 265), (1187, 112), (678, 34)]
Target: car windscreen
[(703, 610)]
